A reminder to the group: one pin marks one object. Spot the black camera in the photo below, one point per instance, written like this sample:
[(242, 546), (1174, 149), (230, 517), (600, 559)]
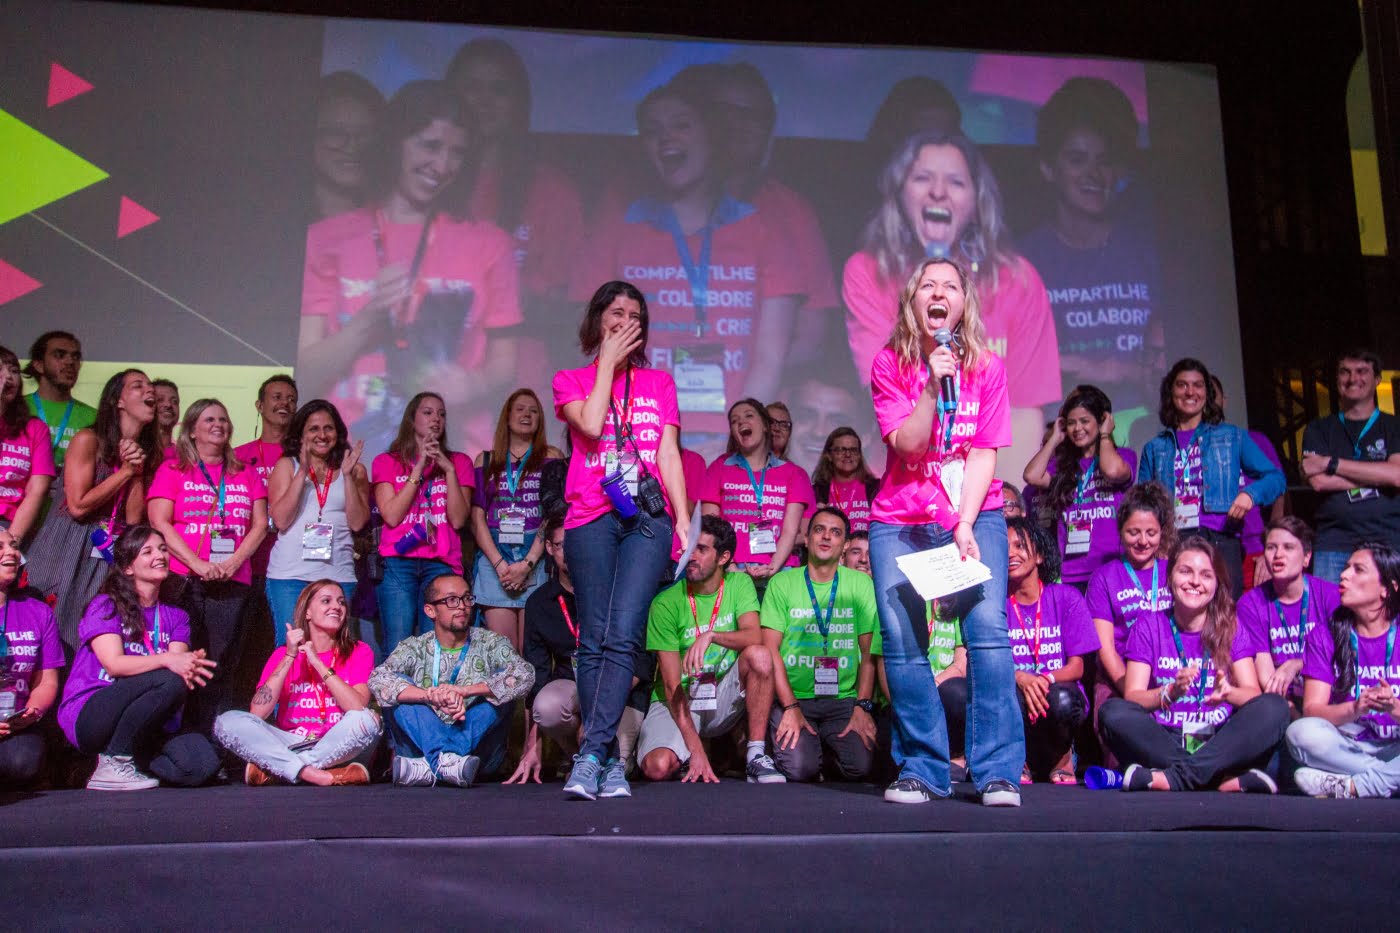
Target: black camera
[(650, 497)]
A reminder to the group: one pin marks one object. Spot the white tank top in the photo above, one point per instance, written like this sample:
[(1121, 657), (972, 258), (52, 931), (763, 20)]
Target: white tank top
[(286, 563)]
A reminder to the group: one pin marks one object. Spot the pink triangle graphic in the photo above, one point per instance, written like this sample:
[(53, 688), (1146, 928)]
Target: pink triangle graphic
[(14, 283), (133, 217), (64, 85)]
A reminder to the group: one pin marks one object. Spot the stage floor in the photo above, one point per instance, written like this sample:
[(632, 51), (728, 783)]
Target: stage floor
[(687, 857)]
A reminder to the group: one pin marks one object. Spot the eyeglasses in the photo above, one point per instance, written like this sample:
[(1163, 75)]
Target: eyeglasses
[(454, 602), (785, 425), (845, 450)]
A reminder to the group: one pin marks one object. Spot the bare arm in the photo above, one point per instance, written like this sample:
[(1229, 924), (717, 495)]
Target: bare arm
[(1109, 661), (285, 488), (161, 513), (792, 525), (85, 499), (668, 462), (36, 490), (776, 317)]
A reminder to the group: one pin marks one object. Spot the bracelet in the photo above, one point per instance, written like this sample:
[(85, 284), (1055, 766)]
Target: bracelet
[(963, 521), (497, 565), (416, 482), (1050, 678), (793, 705)]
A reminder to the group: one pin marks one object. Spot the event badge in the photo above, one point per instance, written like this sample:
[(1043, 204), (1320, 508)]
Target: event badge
[(763, 537), (1195, 732), (826, 677), (316, 540), (699, 375), (1077, 538), (704, 693), (951, 476), (626, 462), (1362, 494), (512, 527), (221, 545), (1188, 513), (573, 662), (96, 551)]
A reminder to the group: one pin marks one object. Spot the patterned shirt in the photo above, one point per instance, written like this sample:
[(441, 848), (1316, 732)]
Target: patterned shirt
[(489, 660)]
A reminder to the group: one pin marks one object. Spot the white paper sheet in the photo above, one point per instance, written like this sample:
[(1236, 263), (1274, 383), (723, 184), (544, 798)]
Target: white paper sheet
[(939, 571), (690, 542)]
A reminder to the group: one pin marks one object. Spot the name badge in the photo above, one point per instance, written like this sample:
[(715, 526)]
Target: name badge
[(221, 545), (1362, 494), (316, 541), (827, 677), (699, 376), (763, 538), (512, 528), (626, 462), (1195, 732), (951, 476), (1077, 540), (1188, 514), (704, 693)]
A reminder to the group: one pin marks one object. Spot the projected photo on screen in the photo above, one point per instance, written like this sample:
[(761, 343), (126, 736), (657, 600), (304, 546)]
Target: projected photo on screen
[(477, 185)]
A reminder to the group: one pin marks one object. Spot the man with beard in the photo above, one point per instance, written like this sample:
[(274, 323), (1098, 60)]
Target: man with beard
[(276, 405), (448, 694), (55, 360), (712, 670)]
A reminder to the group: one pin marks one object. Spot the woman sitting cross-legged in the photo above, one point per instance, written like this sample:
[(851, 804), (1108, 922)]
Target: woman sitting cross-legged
[(318, 687)]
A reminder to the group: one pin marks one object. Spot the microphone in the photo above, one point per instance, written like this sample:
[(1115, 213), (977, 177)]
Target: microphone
[(944, 338)]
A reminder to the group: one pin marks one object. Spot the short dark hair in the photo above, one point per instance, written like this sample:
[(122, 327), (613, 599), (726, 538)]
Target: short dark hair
[(590, 332), (276, 377), (40, 346), (858, 536), (434, 585), (833, 510), (1294, 526), (165, 384), (1090, 104), (347, 85), (1031, 534), (722, 531), (1365, 356)]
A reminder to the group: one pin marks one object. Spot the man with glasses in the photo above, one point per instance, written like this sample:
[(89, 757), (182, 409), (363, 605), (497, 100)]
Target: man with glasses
[(448, 694)]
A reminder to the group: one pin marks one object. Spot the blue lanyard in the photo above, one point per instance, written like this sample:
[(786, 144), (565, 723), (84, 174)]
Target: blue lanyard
[(513, 477), (697, 273), (948, 409), (1356, 654), (759, 483), (1302, 617), (1355, 445), (1150, 597), (153, 636), (823, 625), (219, 489), (437, 661), (57, 437), (1206, 661), (1086, 480)]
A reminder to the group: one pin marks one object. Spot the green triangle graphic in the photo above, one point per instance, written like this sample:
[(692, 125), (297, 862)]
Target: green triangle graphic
[(35, 170)]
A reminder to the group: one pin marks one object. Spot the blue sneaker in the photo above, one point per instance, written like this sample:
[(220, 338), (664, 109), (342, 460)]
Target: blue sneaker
[(615, 779), (585, 779)]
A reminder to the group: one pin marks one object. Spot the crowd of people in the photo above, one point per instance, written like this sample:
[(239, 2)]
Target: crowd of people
[(417, 603)]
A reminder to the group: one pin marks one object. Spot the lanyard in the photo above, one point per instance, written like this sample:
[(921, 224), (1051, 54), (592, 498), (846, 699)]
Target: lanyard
[(931, 612), (57, 436), (1149, 598), (437, 661), (4, 630), (425, 239), (1355, 444), (425, 486), (1302, 617), (759, 483), (152, 637), (322, 492), (1355, 653), (714, 612), (1195, 446), (823, 624), (1181, 656), (948, 412), (1086, 481), (697, 273), (513, 477), (569, 619), (1032, 637), (219, 489), (622, 423)]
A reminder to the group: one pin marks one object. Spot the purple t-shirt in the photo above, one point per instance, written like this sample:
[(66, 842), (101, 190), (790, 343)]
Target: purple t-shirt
[(1151, 643), (493, 498), (1259, 619), (1371, 666), (1190, 484), (1122, 596), (1093, 513), (1065, 630), (89, 676), (32, 634)]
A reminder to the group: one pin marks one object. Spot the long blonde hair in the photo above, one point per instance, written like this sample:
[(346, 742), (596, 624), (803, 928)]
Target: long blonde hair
[(186, 455), (969, 337)]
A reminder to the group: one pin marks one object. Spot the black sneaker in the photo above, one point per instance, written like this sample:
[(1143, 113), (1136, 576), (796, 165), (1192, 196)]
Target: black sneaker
[(1001, 794), (908, 790), (1136, 778), (1255, 781)]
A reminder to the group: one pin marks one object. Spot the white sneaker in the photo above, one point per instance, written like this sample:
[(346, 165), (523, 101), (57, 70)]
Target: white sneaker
[(413, 772), (1317, 783), (119, 772), (458, 770)]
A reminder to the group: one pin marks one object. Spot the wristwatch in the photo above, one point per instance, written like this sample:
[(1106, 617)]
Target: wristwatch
[(867, 705), (1332, 466)]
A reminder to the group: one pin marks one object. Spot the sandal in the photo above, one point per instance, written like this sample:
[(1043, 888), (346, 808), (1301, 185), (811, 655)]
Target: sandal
[(1026, 777), (1063, 776)]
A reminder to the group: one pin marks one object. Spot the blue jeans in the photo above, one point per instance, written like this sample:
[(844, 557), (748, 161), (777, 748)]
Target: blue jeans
[(282, 598), (616, 565), (416, 731), (401, 595), (1328, 565), (996, 743)]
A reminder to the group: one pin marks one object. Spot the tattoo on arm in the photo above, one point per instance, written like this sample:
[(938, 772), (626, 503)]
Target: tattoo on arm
[(263, 696)]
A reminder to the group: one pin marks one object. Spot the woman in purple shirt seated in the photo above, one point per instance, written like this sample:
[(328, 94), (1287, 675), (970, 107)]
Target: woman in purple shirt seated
[(1349, 737), (30, 658), (1192, 716)]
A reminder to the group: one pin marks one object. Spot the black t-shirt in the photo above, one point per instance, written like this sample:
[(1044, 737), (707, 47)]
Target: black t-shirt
[(1344, 519), (550, 645)]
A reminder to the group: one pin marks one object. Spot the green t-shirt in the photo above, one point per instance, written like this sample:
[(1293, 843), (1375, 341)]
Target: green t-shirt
[(787, 608), (946, 637), (671, 627), (52, 414)]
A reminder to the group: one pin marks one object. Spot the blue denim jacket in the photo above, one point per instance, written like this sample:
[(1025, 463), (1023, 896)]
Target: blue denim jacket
[(1226, 452)]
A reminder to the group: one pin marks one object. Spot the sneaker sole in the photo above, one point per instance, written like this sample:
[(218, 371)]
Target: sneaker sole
[(615, 792), (122, 785), (579, 792), (905, 796), (1001, 799), (768, 779)]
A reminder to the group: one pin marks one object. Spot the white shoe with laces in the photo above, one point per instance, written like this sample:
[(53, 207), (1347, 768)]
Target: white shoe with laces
[(413, 772), (119, 772), (458, 770), (1316, 783)]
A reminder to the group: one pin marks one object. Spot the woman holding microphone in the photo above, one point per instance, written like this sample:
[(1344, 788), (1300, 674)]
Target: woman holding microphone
[(939, 488)]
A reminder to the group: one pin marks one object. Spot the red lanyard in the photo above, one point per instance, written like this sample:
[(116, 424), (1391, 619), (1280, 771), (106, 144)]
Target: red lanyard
[(568, 620), (322, 492), (714, 612), (1032, 637)]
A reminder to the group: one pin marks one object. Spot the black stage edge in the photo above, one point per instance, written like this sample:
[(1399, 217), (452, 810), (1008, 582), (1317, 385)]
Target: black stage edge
[(690, 857)]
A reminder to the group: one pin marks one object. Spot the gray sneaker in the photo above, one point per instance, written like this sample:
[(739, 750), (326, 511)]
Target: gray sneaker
[(1317, 783), (614, 782), (1001, 794), (585, 780), (458, 770), (119, 772), (413, 772), (761, 770)]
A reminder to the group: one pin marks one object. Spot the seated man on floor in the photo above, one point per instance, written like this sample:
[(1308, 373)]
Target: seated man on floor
[(820, 622), (448, 694), (712, 672)]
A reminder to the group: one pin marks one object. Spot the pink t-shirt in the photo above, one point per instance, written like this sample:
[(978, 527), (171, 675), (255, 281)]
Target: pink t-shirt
[(653, 408), (911, 491), (693, 465), (750, 262), (261, 457), (462, 257), (429, 506), (28, 453), (782, 482), (1017, 316), (196, 514), (306, 706), (852, 499)]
